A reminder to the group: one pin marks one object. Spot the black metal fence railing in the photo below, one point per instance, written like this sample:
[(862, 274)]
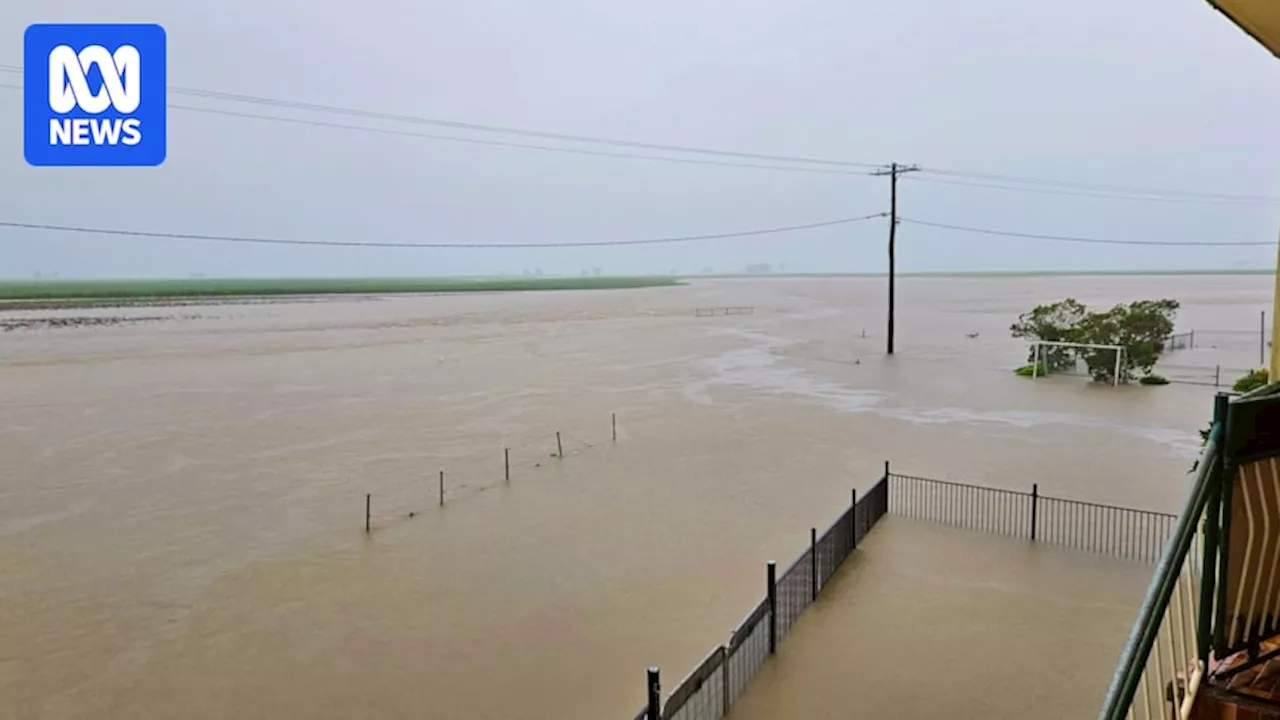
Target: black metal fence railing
[(1105, 529), (972, 507), (721, 678)]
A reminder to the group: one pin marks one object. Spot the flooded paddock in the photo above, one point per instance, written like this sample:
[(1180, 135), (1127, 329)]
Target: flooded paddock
[(182, 502)]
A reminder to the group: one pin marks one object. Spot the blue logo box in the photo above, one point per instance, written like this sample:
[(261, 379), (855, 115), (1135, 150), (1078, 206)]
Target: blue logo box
[(94, 95)]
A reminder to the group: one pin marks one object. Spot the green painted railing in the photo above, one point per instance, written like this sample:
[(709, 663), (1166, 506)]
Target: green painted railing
[(1164, 658)]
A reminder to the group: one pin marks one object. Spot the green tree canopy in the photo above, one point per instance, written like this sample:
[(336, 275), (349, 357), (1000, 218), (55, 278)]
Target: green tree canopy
[(1142, 328)]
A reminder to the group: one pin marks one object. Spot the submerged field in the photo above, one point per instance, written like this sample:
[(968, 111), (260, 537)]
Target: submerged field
[(24, 294), (182, 507)]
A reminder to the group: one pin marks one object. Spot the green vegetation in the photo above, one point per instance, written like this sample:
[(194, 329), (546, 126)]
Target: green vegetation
[(1142, 328), (78, 293), (1251, 381), (1154, 379), (1030, 370), (1059, 322), (1204, 440)]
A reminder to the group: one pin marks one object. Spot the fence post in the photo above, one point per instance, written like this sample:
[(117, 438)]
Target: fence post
[(653, 706), (772, 594), (506, 464), (441, 488), (887, 494), (853, 521), (724, 680), (813, 562), (1217, 376), (559, 447), (1035, 498), (368, 506), (615, 426), (1193, 340)]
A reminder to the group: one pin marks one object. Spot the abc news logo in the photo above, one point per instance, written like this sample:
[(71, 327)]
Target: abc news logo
[(69, 88), (94, 95)]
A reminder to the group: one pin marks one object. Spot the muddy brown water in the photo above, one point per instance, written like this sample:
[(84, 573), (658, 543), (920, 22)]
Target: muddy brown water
[(182, 503)]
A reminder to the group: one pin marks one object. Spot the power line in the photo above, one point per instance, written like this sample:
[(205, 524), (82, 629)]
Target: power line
[(1102, 195), (1046, 182), (502, 129), (502, 143), (1147, 193), (343, 243), (1094, 241)]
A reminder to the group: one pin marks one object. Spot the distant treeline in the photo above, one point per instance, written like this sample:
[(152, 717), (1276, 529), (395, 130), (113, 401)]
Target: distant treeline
[(29, 290)]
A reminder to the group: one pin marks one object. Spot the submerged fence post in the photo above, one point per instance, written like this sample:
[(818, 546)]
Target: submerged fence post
[(853, 521), (653, 705), (368, 506), (813, 562), (441, 488), (724, 680), (614, 418), (1035, 498), (771, 593), (559, 447), (506, 464), (887, 494)]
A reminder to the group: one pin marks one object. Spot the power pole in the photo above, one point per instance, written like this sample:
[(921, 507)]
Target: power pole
[(893, 171)]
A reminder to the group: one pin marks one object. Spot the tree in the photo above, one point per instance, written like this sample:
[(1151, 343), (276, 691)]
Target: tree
[(1058, 322), (1142, 328)]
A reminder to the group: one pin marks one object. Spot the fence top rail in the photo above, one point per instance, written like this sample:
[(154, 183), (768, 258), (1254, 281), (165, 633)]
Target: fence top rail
[(831, 528), (1153, 513), (748, 625), (693, 682), (1136, 511), (917, 478), (801, 561)]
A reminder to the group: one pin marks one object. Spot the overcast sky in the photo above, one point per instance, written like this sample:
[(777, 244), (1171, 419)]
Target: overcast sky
[(1154, 93)]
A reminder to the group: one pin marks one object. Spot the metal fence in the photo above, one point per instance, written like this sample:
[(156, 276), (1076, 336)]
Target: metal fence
[(1215, 376), (721, 678), (1181, 341), (715, 311), (1104, 529)]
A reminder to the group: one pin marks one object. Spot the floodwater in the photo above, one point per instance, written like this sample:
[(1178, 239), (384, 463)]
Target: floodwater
[(983, 627), (182, 503)]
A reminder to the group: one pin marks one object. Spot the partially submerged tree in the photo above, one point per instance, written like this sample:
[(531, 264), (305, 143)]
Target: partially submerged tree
[(1058, 322), (1142, 328)]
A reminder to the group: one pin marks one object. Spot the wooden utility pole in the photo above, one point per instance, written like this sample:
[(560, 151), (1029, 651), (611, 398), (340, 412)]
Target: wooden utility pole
[(893, 171)]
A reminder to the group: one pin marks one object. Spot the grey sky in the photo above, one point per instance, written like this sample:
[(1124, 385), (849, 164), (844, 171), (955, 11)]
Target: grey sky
[(1162, 93)]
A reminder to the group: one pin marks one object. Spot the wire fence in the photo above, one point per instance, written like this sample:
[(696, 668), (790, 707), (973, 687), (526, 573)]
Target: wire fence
[(1181, 341), (1215, 376), (721, 678), (718, 311), (474, 473), (1104, 529), (1250, 343)]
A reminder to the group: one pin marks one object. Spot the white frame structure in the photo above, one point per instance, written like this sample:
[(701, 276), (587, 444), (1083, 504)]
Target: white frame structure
[(1035, 363)]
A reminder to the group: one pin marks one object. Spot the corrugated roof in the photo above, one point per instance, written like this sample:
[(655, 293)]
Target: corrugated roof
[(1259, 18)]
